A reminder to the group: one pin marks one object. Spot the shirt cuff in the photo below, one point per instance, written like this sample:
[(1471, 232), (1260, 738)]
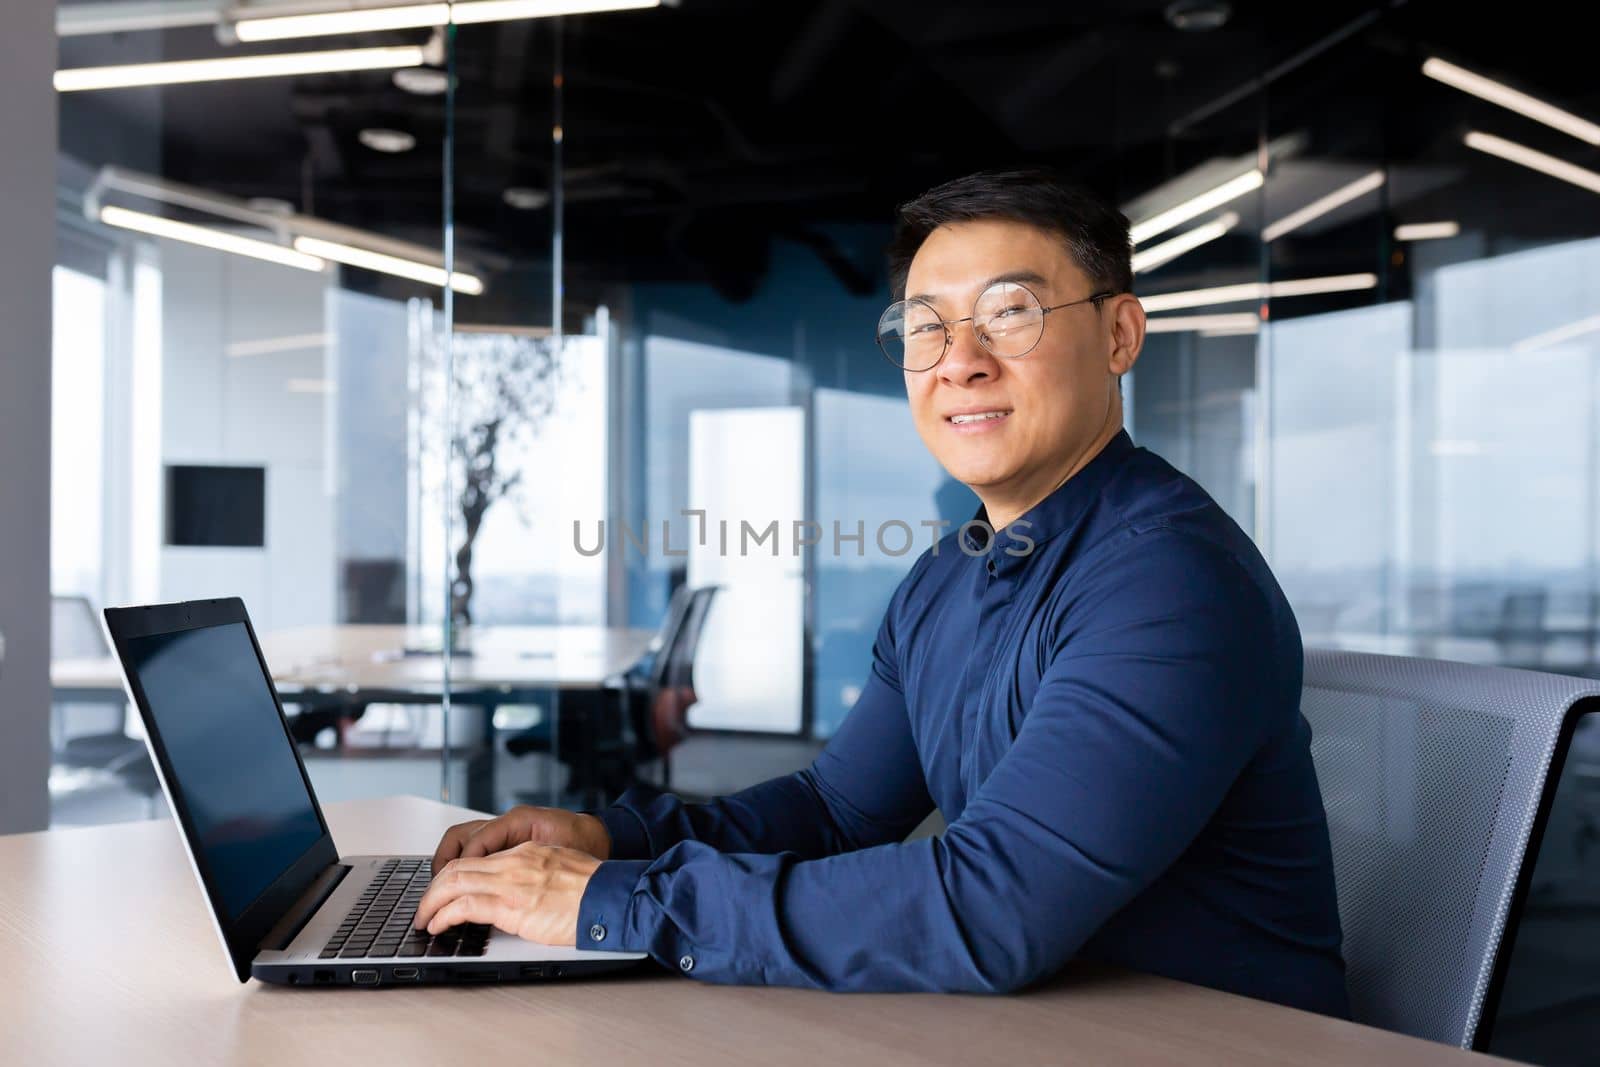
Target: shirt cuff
[(629, 841), (603, 912)]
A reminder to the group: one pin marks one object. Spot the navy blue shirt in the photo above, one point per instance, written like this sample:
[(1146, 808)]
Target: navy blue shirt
[(1104, 703)]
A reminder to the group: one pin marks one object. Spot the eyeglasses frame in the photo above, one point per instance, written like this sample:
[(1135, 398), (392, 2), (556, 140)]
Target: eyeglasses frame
[(949, 333)]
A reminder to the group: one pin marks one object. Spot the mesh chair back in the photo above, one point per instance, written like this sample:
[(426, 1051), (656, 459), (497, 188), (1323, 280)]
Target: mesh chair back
[(675, 695), (659, 650), (1432, 774)]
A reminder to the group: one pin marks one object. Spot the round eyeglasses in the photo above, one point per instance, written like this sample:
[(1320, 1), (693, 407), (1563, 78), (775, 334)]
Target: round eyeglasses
[(1007, 319)]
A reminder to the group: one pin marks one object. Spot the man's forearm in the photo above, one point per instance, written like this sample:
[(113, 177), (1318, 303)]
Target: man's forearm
[(785, 814)]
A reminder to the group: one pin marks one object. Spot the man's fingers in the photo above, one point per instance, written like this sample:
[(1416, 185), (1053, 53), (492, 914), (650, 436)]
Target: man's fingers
[(471, 908), (454, 880), (491, 836), (450, 845)]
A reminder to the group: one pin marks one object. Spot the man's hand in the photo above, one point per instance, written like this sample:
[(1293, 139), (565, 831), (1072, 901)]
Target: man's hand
[(523, 825), (532, 891)]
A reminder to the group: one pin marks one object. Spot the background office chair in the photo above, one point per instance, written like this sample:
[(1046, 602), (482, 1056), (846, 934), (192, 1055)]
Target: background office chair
[(1435, 777), (636, 718), (92, 736)]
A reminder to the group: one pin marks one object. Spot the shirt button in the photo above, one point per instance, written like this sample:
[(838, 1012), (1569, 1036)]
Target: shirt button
[(685, 964), (597, 932)]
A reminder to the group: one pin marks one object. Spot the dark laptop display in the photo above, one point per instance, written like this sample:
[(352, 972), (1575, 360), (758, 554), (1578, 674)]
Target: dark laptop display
[(234, 767), (232, 761)]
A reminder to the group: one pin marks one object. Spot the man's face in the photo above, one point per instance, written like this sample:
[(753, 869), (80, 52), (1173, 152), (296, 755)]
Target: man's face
[(1053, 401)]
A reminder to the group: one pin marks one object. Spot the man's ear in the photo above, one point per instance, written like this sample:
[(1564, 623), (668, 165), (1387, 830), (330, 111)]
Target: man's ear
[(1127, 332)]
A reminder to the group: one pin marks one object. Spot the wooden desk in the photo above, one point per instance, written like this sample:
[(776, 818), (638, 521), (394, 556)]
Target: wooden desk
[(110, 958), (308, 660)]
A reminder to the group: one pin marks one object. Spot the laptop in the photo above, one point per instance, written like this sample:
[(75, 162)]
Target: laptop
[(288, 908)]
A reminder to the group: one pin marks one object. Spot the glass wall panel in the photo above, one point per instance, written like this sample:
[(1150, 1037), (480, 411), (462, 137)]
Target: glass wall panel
[(242, 270)]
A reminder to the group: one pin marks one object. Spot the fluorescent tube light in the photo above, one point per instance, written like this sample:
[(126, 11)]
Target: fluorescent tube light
[(386, 264), (209, 70), (268, 346), (1516, 153), (207, 237), (1426, 231), (1166, 251), (1228, 191), (1237, 322), (1189, 298), (416, 16), (1320, 207), (1246, 291), (1333, 283), (1558, 335), (1509, 98)]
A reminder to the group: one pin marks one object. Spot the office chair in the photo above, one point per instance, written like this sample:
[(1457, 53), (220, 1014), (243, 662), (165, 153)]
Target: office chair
[(606, 734), (75, 634), (1435, 777)]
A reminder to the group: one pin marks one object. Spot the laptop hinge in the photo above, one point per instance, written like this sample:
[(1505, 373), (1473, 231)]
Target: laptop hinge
[(294, 920)]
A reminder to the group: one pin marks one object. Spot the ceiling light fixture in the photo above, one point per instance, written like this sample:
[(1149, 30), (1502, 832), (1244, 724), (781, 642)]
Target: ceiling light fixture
[(206, 237), (271, 346), (1516, 153), (1426, 231), (384, 263), (1166, 251), (421, 81), (1237, 322), (1558, 335), (1523, 104), (523, 198), (1320, 207), (1234, 294), (209, 70), (248, 27), (1228, 191), (390, 141)]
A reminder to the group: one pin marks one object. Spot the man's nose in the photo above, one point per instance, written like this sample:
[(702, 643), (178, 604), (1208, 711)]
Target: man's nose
[(967, 361)]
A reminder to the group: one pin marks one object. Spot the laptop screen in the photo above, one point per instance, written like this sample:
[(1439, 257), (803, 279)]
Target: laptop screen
[(232, 762)]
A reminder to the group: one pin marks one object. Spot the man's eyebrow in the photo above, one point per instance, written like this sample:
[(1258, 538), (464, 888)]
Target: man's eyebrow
[(1023, 277)]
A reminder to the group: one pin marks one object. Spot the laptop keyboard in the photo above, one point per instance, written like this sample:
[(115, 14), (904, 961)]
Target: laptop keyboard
[(380, 922)]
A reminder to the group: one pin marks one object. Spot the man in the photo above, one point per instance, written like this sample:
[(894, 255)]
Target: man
[(1102, 698)]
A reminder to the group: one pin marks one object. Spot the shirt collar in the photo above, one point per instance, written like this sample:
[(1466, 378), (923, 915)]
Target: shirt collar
[(1057, 512)]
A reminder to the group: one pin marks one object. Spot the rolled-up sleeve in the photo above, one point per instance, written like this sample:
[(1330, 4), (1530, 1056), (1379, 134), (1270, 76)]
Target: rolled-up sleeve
[(1150, 705)]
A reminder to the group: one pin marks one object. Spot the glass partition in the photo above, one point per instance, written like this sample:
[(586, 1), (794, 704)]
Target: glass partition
[(626, 499), (246, 300)]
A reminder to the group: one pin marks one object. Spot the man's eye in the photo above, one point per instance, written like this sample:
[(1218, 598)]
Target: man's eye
[(926, 328), (1015, 309)]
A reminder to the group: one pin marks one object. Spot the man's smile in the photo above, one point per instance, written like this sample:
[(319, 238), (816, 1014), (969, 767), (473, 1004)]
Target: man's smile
[(977, 419)]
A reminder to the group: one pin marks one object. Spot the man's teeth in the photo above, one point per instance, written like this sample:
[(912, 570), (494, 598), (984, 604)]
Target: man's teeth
[(959, 419)]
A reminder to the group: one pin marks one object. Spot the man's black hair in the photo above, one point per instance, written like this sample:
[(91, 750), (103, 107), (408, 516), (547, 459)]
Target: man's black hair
[(1094, 230)]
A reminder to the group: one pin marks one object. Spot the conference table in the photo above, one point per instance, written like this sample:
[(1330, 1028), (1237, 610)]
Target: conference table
[(347, 667), (111, 958)]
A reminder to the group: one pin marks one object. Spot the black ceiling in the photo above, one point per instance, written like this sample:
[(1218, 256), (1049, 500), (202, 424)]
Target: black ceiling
[(696, 134)]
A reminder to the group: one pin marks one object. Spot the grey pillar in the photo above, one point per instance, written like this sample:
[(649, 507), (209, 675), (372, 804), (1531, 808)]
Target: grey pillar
[(27, 219)]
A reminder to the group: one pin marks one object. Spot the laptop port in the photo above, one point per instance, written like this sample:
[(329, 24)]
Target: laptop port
[(364, 977), (531, 970), (404, 974), (322, 977)]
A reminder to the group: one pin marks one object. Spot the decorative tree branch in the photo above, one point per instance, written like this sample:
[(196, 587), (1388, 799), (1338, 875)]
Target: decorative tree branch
[(504, 389)]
